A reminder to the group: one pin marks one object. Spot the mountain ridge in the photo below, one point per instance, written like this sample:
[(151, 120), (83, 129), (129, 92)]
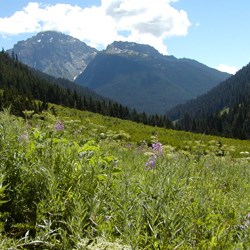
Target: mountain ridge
[(223, 111), (223, 96), (157, 82), (24, 88), (55, 53), (136, 75)]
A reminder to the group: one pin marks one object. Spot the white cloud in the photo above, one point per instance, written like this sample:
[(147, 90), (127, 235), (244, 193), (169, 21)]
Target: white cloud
[(144, 21), (229, 69)]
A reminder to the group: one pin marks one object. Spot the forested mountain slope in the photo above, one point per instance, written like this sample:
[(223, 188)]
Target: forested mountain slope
[(132, 74), (224, 110), (22, 85), (140, 77)]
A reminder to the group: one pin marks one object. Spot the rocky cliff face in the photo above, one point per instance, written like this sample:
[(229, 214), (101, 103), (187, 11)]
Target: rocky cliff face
[(55, 53)]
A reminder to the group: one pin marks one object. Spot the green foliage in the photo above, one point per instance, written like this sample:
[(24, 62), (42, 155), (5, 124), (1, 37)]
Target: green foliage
[(223, 111), (140, 77), (86, 186), (22, 86), (138, 133)]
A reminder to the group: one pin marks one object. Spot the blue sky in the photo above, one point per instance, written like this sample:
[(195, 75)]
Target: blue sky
[(213, 32)]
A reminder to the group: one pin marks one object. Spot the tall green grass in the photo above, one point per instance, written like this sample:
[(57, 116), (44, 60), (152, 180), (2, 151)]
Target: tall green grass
[(139, 133), (86, 186)]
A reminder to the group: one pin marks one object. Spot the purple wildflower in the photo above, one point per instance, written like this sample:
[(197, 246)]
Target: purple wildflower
[(150, 164), (59, 125), (157, 147), (157, 151)]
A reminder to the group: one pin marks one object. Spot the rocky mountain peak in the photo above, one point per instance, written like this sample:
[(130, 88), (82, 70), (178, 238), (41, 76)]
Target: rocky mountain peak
[(131, 48), (55, 53)]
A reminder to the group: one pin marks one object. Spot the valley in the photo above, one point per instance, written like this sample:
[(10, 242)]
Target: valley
[(91, 187), (79, 170), (135, 75)]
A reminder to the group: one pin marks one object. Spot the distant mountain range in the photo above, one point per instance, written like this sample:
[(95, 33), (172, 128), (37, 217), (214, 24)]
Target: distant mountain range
[(135, 75), (55, 53), (139, 76), (21, 87)]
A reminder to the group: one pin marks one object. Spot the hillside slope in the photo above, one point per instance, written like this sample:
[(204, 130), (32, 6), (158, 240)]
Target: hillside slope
[(224, 111), (140, 77), (232, 91), (21, 87), (69, 183)]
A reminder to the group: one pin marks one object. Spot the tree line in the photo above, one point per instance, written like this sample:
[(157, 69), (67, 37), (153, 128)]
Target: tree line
[(21, 86), (223, 111), (233, 122)]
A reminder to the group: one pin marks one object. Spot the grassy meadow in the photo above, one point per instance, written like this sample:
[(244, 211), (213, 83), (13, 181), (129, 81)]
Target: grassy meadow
[(76, 180)]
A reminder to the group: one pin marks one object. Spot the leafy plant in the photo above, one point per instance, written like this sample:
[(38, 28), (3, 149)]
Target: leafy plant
[(86, 186)]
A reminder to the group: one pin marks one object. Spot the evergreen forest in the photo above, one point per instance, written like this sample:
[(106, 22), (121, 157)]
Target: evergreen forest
[(22, 85), (223, 111)]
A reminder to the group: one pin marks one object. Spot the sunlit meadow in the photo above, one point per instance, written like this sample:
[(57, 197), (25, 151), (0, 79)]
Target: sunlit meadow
[(68, 181)]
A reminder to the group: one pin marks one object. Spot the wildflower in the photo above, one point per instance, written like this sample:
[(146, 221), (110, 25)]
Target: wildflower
[(59, 125), (157, 151), (150, 164), (244, 153), (157, 147)]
